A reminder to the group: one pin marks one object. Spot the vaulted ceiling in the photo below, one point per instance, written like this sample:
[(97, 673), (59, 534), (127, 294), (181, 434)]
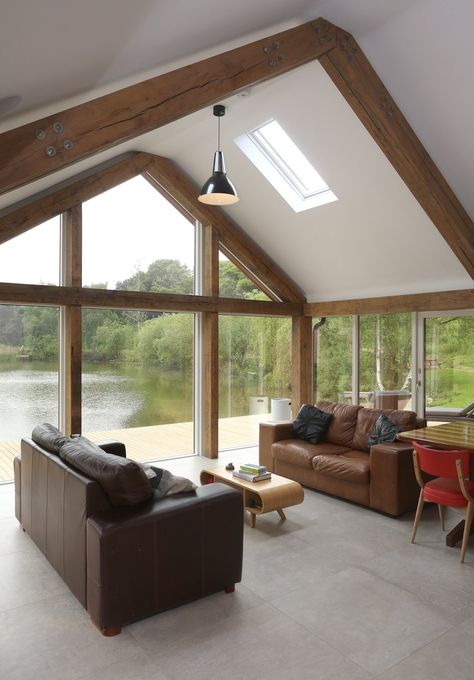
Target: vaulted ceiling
[(376, 239)]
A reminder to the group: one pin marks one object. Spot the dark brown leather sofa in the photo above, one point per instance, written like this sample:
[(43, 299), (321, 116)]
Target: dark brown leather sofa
[(126, 563), (381, 478)]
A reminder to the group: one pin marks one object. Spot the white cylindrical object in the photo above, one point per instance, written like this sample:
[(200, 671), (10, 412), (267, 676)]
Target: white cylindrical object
[(281, 409)]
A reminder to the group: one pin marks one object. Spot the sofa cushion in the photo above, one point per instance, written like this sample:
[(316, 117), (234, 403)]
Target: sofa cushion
[(123, 480), (165, 483), (299, 452), (311, 424), (352, 466), (367, 417), (49, 437), (384, 432), (404, 420), (343, 423)]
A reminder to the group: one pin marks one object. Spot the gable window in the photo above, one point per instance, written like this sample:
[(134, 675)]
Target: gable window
[(285, 166)]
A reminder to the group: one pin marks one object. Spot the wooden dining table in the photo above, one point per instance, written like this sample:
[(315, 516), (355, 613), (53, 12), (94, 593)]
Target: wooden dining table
[(458, 434)]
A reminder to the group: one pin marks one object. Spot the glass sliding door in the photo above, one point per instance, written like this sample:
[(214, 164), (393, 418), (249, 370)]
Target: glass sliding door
[(254, 368), (385, 361), (29, 376), (447, 365), (138, 381), (332, 346)]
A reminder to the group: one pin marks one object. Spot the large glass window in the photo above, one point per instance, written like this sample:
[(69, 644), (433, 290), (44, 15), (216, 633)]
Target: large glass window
[(234, 284), (134, 239), (448, 364), (254, 368), (29, 376), (385, 364), (333, 359), (32, 257), (138, 381)]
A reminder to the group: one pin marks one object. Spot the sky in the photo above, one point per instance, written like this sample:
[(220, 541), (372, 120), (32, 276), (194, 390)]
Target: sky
[(124, 229)]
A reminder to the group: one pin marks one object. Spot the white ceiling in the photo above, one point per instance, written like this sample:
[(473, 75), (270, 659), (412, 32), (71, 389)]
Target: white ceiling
[(375, 240)]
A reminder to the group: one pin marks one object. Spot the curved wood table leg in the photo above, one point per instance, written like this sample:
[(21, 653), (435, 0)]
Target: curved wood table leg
[(281, 513)]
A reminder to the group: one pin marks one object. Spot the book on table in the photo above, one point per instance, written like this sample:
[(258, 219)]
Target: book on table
[(252, 478), (253, 469)]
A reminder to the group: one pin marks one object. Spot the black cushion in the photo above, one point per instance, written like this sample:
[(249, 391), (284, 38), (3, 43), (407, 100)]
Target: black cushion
[(383, 432), (49, 437), (311, 424), (123, 480)]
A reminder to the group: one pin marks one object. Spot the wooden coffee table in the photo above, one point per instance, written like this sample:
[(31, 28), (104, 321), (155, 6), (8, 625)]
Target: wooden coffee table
[(259, 497)]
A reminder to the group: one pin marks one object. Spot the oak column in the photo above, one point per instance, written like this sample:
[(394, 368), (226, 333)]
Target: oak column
[(210, 344), (72, 323), (302, 362)]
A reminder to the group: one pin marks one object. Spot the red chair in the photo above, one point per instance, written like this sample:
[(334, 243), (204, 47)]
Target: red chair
[(449, 489)]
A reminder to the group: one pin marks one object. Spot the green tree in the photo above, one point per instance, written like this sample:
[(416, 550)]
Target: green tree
[(40, 332), (166, 341), (162, 276)]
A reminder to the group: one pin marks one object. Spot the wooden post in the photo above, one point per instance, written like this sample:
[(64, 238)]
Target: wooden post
[(210, 344), (72, 327), (302, 363)]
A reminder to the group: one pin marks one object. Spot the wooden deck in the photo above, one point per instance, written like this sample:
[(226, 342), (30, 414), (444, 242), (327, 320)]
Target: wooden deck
[(156, 442)]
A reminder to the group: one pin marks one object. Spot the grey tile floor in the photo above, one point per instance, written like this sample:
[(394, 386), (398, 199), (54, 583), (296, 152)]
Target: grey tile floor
[(335, 592)]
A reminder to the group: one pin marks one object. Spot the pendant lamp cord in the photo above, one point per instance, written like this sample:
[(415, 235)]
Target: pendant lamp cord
[(218, 133)]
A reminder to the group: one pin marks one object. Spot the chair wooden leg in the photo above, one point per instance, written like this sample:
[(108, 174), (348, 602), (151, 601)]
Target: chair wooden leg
[(419, 510), (441, 510), (467, 529)]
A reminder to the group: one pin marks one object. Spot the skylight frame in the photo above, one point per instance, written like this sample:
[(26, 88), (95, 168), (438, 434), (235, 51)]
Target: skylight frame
[(287, 180)]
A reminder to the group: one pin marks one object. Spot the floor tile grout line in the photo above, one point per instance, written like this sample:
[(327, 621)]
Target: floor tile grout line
[(327, 644)]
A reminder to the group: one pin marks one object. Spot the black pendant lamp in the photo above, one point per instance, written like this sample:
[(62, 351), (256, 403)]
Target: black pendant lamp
[(218, 190)]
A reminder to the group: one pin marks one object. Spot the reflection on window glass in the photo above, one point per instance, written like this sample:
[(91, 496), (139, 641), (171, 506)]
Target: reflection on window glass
[(333, 360), (134, 239), (29, 376), (254, 368), (385, 376), (32, 257), (449, 363), (138, 381)]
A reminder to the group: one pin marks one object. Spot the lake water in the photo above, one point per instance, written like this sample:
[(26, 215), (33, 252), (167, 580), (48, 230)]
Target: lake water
[(114, 397)]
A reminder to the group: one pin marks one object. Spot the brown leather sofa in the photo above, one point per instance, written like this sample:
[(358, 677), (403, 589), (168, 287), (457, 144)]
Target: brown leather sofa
[(381, 478), (126, 563)]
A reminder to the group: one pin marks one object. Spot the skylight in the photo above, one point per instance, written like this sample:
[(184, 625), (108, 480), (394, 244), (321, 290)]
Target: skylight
[(278, 158)]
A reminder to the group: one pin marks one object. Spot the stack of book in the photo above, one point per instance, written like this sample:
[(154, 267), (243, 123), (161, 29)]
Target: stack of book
[(252, 472)]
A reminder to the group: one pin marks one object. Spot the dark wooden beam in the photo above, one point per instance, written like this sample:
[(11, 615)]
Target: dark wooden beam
[(170, 181), (40, 207), (94, 126), (370, 100), (302, 363), (35, 294), (418, 302), (210, 345), (71, 231)]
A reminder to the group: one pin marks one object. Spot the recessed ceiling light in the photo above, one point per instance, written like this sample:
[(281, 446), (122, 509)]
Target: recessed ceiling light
[(9, 103)]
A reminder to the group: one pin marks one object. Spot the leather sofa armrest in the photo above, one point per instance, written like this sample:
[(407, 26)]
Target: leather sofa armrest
[(113, 446), (162, 553), (393, 486), (268, 434)]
